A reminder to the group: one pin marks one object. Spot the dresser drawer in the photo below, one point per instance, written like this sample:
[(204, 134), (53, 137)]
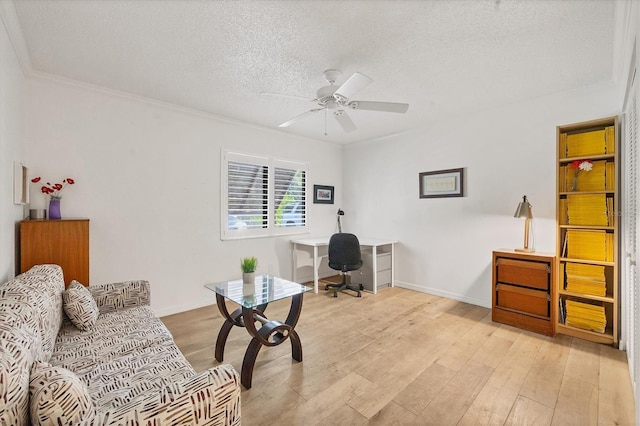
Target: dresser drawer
[(521, 272), (522, 299)]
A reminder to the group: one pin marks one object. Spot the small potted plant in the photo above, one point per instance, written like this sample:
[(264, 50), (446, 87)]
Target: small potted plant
[(248, 266)]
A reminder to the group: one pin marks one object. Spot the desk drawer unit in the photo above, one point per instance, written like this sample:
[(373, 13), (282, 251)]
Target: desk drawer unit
[(383, 270), (522, 290)]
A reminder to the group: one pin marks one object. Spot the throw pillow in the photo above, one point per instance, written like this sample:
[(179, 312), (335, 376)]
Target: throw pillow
[(57, 396), (80, 306)]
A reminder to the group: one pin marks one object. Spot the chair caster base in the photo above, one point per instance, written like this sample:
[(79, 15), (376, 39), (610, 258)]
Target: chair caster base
[(359, 295), (335, 294)]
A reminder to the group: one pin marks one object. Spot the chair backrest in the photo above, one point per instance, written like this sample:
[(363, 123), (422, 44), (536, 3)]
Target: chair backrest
[(344, 252)]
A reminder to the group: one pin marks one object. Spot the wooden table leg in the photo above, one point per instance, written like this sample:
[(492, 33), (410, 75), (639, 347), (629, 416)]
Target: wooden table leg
[(272, 333), (235, 319)]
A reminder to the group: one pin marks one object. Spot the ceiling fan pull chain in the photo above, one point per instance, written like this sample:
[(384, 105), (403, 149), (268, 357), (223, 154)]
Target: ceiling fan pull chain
[(325, 122)]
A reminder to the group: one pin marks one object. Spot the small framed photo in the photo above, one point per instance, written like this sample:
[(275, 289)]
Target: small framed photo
[(322, 194), (20, 183), (442, 183)]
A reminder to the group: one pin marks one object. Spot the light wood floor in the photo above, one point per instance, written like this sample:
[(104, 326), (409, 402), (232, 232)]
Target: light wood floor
[(407, 358)]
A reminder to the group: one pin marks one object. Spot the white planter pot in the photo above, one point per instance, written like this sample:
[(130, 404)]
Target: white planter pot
[(248, 282)]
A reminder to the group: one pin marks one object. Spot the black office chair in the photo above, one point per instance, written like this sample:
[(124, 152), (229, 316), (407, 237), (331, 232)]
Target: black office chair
[(344, 256)]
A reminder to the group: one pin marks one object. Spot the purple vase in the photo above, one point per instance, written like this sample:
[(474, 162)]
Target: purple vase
[(54, 209)]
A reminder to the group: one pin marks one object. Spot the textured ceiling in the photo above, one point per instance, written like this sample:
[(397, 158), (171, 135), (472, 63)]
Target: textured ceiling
[(442, 57)]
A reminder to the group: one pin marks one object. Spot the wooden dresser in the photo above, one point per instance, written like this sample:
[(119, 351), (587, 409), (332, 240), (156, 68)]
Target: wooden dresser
[(63, 242), (523, 290)]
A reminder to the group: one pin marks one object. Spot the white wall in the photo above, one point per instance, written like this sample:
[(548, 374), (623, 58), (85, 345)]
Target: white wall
[(148, 177), (446, 243), (12, 93)]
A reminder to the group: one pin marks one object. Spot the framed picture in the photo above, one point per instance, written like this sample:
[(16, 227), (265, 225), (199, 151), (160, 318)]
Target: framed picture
[(20, 183), (442, 183), (322, 194)]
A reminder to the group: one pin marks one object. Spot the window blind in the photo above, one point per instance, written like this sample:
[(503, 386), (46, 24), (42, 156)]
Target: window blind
[(262, 196)]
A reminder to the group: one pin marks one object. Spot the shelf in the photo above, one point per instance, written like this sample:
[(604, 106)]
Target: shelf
[(604, 299), (596, 157), (602, 228), (607, 192), (590, 262), (606, 337), (588, 221)]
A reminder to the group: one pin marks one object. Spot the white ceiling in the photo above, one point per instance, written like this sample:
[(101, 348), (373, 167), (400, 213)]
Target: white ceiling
[(442, 57)]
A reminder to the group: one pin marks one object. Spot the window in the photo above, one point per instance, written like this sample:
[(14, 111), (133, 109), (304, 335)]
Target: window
[(262, 196)]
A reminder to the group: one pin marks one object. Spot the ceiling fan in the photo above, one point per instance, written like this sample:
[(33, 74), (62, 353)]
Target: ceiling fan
[(338, 99)]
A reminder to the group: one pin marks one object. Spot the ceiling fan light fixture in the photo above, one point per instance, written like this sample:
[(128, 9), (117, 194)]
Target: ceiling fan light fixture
[(331, 75), (334, 98)]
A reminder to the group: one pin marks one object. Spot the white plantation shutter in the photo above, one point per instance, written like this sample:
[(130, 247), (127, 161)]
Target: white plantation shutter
[(248, 194), (290, 201), (631, 334), (261, 196)]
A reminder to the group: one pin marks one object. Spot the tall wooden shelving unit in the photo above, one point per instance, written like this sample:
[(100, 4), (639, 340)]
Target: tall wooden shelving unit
[(587, 234)]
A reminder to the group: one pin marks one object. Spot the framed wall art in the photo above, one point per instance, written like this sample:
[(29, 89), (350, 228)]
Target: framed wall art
[(442, 183), (323, 194), (20, 183)]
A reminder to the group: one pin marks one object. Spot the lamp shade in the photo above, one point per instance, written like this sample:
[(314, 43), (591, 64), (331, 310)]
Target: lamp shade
[(524, 209)]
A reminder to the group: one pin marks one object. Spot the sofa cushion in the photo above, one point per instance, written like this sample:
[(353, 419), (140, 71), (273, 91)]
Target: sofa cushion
[(15, 364), (41, 287), (115, 334), (80, 306), (119, 381), (57, 396)]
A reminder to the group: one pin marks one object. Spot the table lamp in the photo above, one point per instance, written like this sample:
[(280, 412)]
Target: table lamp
[(524, 212), (340, 213)]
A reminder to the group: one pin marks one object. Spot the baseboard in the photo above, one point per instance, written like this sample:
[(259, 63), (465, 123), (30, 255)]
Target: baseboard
[(441, 293), (186, 307)]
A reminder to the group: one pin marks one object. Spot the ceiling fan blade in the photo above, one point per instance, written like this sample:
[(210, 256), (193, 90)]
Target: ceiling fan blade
[(379, 106), (344, 120), (353, 85), (298, 117), (282, 95)]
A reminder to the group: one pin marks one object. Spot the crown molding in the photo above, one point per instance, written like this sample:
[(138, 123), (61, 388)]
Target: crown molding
[(12, 25), (56, 79)]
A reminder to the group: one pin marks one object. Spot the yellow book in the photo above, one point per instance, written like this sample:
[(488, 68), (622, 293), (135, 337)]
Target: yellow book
[(587, 209), (610, 176), (563, 218), (586, 143), (610, 140), (587, 244), (562, 148)]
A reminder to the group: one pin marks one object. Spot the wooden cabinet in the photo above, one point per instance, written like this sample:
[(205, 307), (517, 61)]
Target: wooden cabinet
[(587, 234), (62, 242), (523, 290)]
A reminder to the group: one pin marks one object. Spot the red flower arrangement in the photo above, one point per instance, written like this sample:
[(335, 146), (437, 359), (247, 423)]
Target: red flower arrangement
[(585, 165), (53, 190), (579, 165)]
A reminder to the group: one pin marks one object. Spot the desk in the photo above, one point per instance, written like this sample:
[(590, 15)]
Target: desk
[(377, 247), (253, 303)]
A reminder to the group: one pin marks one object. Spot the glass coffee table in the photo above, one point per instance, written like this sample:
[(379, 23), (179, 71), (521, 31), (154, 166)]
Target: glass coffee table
[(253, 302)]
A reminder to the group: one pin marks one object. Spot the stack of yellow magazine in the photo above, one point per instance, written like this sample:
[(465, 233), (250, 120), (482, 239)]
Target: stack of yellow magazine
[(587, 279), (586, 316), (588, 244), (596, 142), (588, 209)]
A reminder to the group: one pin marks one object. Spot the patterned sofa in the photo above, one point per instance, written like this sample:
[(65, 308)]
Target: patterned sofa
[(123, 369)]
